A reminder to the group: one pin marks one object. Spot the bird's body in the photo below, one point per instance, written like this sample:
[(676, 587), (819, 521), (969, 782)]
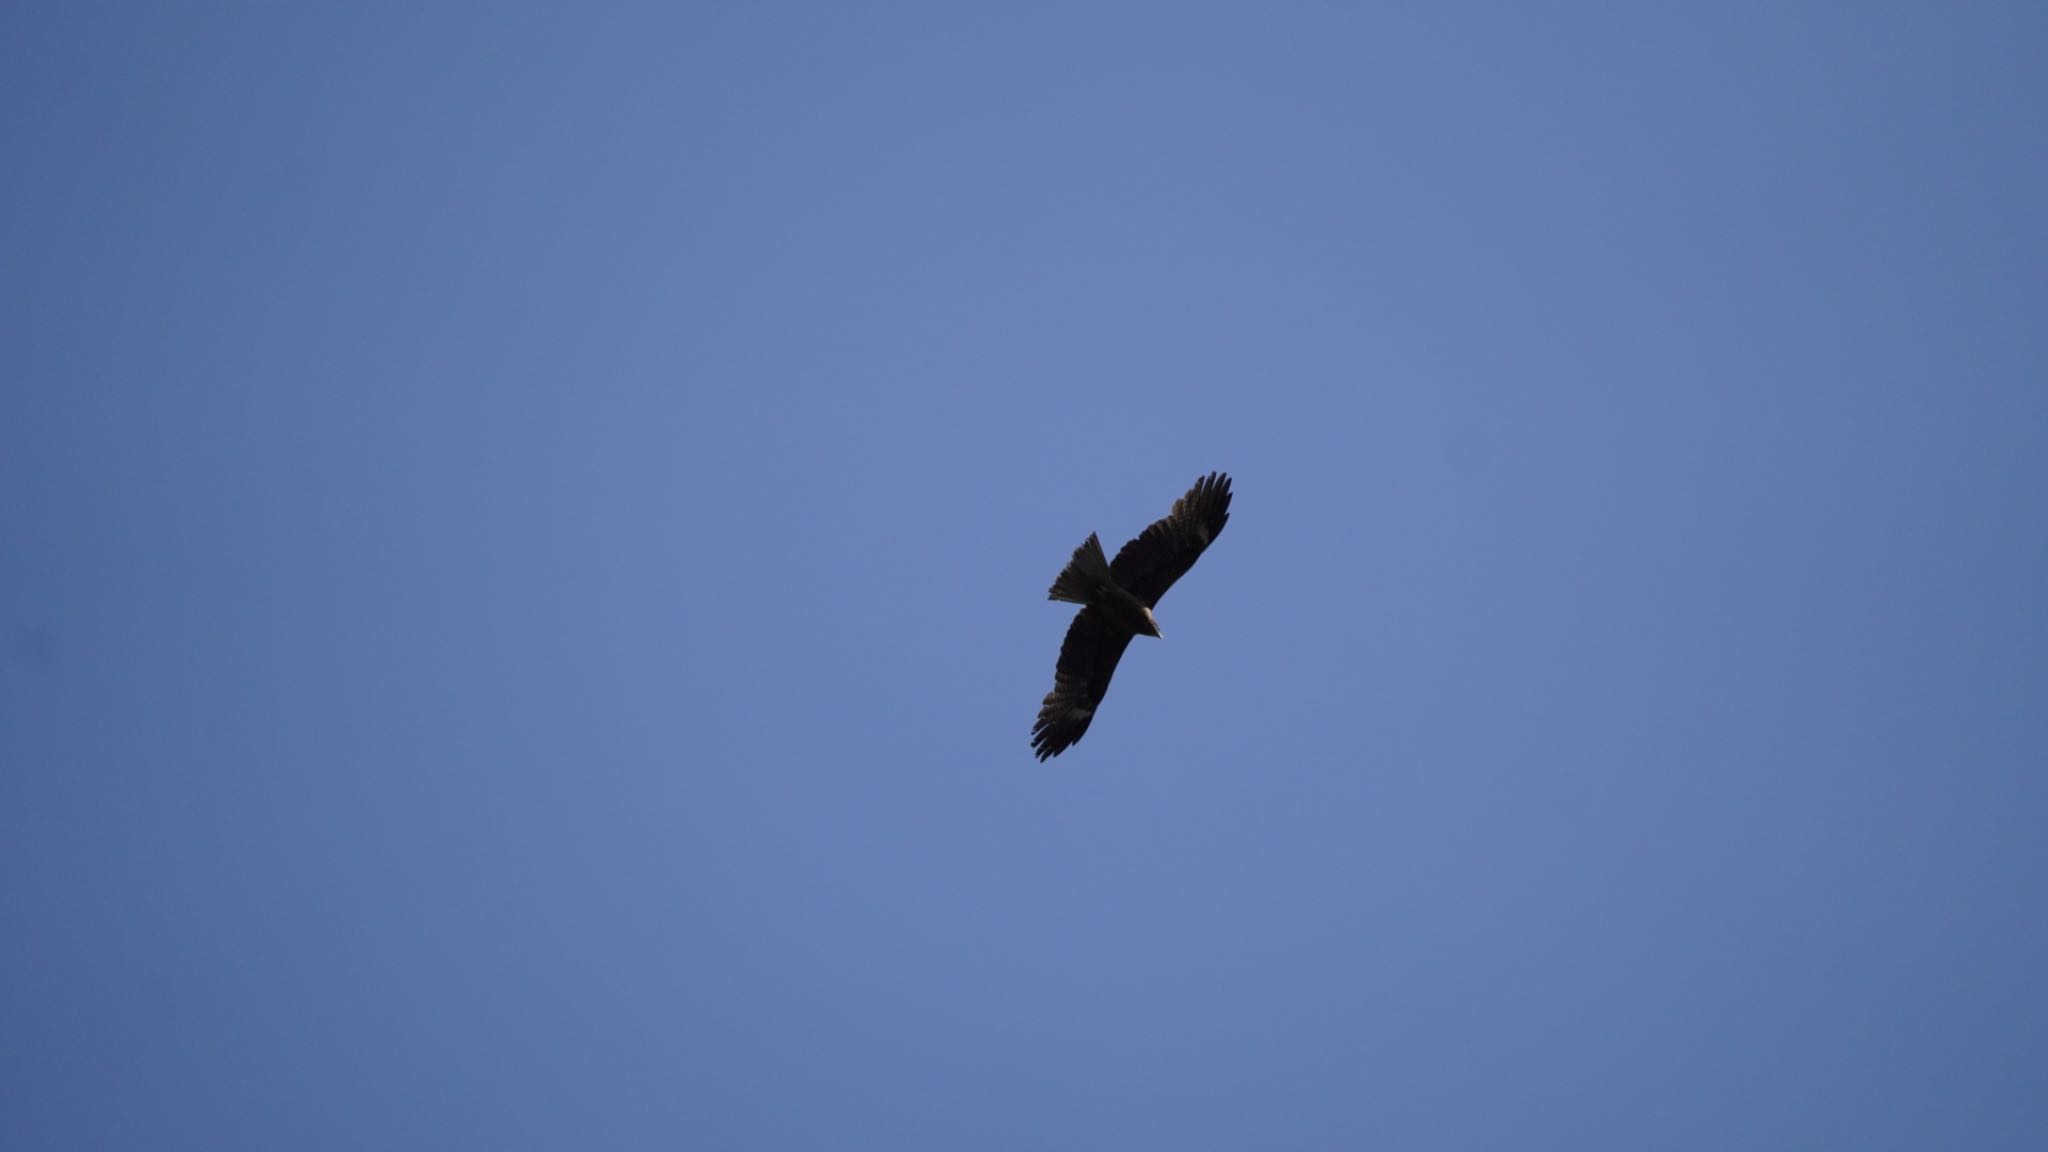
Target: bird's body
[(1087, 581), (1117, 598)]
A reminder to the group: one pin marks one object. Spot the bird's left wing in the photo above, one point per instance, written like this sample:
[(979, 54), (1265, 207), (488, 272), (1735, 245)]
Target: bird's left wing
[(1088, 657)]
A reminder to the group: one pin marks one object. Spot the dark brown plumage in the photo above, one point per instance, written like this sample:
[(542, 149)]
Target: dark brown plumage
[(1117, 598)]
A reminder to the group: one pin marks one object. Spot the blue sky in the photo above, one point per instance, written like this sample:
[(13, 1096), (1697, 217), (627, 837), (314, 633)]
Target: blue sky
[(524, 536)]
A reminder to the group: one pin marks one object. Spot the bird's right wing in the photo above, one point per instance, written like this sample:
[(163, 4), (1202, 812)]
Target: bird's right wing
[(1163, 553), (1088, 658)]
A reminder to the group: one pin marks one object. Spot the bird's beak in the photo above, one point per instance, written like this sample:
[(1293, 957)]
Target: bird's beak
[(1155, 624)]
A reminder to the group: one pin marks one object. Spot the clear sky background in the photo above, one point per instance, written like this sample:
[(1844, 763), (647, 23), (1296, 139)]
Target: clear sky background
[(524, 536)]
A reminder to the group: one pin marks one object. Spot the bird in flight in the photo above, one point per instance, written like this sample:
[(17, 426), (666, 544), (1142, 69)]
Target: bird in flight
[(1117, 598)]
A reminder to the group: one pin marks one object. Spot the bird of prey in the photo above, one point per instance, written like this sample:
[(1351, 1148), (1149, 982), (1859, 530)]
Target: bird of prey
[(1117, 598)]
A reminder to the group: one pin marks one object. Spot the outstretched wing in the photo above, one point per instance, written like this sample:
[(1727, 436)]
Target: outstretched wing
[(1148, 566), (1088, 657)]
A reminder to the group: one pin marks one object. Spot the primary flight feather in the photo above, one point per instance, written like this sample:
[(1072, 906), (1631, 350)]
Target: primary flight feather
[(1117, 598)]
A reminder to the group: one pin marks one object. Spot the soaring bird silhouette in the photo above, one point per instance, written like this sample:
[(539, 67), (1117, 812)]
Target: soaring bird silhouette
[(1117, 598)]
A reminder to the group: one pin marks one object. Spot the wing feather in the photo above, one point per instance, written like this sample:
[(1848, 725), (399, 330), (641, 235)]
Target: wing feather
[(1147, 566), (1088, 658)]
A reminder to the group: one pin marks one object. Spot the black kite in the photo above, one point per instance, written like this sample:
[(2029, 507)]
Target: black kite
[(1117, 598)]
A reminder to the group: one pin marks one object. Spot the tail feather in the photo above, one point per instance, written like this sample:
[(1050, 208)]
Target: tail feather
[(1088, 570)]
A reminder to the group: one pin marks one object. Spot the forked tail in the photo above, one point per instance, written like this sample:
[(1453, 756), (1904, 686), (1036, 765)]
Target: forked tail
[(1087, 571)]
